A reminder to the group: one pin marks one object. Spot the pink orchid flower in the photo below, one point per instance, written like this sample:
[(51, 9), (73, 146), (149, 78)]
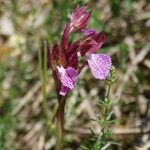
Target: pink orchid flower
[(99, 64), (63, 58)]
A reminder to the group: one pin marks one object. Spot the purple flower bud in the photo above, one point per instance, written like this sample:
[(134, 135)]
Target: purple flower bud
[(99, 64), (67, 77), (88, 32), (79, 18), (77, 13)]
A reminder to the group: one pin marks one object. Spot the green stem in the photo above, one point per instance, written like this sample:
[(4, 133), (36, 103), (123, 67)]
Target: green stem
[(43, 76), (108, 91), (107, 111)]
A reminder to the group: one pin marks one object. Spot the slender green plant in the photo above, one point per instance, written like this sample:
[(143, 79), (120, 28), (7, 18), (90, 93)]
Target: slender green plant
[(42, 58), (63, 60), (105, 121)]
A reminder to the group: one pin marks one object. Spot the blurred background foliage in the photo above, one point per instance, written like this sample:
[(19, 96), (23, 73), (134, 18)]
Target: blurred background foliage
[(23, 23)]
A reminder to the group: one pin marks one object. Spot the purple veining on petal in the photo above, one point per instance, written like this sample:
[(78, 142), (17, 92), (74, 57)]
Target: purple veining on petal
[(88, 32), (100, 65), (64, 90), (68, 78), (72, 73)]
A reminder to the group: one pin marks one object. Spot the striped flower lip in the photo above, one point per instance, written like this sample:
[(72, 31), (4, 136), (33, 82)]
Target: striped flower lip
[(68, 77), (99, 64)]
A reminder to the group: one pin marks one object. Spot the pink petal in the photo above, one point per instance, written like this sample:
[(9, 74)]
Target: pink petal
[(99, 64), (64, 78), (68, 78)]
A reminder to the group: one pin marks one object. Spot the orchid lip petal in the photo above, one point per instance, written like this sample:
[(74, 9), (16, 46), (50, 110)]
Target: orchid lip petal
[(100, 65), (67, 76), (64, 78)]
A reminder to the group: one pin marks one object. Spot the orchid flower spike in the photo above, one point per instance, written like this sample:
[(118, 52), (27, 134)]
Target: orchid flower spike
[(63, 58)]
